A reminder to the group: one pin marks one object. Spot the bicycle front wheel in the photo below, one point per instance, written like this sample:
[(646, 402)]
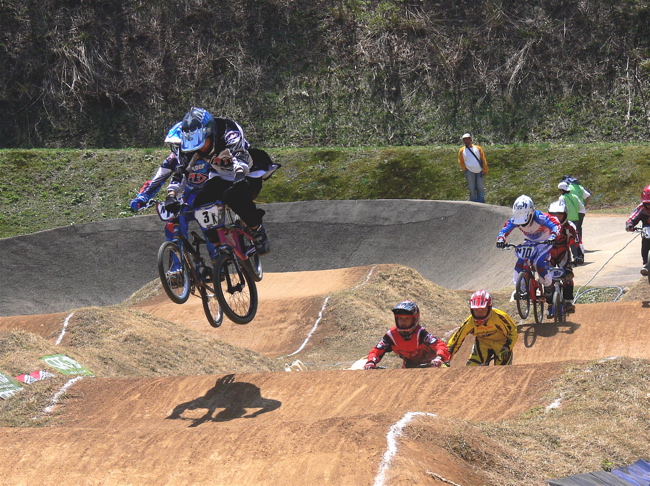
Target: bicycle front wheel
[(211, 306), (173, 272), (522, 296), (558, 301), (235, 289)]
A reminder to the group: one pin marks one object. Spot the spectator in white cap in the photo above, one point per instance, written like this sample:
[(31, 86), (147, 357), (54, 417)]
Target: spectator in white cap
[(472, 161)]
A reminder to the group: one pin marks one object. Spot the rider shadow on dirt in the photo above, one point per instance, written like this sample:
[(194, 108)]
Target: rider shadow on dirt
[(234, 397), (529, 333)]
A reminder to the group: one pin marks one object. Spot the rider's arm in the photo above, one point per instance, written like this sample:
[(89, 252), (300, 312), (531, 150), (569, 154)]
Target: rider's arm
[(548, 222), (635, 217), (456, 340), (507, 326), (506, 230), (380, 349), (437, 347)]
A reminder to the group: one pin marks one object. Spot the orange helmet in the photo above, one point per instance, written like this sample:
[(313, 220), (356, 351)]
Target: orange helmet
[(481, 299)]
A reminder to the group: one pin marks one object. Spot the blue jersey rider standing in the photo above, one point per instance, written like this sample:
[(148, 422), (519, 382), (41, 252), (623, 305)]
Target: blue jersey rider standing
[(219, 143), (537, 227)]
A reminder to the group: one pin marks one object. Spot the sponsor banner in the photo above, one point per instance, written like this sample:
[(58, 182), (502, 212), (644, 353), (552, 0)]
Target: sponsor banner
[(8, 386), (66, 365), (30, 378)]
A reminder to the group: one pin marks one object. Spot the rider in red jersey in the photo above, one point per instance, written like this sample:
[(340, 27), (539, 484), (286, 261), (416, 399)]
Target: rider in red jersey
[(568, 241), (410, 341)]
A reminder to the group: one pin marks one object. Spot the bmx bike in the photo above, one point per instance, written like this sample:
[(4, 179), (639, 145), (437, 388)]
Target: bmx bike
[(238, 265), (183, 271), (556, 307), (528, 290)]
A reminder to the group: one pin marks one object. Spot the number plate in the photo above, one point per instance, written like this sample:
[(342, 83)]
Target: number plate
[(524, 252), (210, 216), (556, 272)]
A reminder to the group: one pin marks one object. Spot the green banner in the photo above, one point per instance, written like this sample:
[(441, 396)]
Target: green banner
[(66, 365), (8, 386)]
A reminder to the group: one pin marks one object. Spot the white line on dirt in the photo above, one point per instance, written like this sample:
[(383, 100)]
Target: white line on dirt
[(65, 325), (55, 398), (394, 432), (367, 278), (313, 329)]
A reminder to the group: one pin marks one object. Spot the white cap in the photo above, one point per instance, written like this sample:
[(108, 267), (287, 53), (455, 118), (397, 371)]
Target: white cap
[(467, 135), (563, 186)]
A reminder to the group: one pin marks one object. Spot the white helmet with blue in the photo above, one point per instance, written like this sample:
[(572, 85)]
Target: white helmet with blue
[(173, 137), (523, 210)]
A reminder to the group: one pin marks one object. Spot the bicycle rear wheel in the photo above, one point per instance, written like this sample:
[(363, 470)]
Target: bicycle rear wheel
[(173, 272), (211, 306), (522, 296), (538, 304), (235, 289)]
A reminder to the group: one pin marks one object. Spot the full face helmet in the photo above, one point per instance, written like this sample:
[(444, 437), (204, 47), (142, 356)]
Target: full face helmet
[(174, 137), (407, 308), (481, 299), (645, 197), (523, 210), (197, 126), (558, 209)]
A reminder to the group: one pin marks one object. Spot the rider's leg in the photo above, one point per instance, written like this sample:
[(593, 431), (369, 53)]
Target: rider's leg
[(645, 247), (480, 354), (240, 199)]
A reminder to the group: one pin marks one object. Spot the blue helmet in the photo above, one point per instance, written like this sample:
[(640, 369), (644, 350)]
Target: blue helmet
[(196, 127)]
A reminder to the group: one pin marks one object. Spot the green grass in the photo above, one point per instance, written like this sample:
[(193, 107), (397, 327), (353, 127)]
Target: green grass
[(43, 189)]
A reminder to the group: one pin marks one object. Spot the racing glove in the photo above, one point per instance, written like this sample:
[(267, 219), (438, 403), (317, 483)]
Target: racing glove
[(436, 362), (138, 202), (224, 159), (501, 243), (370, 366), (503, 354), (551, 240), (629, 228), (172, 205)]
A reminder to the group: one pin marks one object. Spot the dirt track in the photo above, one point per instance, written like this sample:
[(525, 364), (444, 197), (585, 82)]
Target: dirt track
[(306, 427)]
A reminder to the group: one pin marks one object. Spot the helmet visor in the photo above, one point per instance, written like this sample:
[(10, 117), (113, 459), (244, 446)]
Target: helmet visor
[(194, 140)]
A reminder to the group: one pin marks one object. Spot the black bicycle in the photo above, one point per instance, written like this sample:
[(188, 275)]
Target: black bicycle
[(183, 270)]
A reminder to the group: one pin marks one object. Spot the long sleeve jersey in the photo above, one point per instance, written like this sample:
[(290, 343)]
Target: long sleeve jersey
[(640, 214), (499, 331), (420, 348), (567, 238), (538, 230), (467, 161)]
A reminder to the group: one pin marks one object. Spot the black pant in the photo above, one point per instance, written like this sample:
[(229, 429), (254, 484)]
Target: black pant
[(237, 196), (645, 248)]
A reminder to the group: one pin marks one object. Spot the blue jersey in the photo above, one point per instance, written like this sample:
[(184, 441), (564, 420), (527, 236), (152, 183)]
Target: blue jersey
[(538, 230)]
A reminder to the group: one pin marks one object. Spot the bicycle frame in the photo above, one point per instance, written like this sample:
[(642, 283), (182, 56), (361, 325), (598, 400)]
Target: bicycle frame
[(219, 217)]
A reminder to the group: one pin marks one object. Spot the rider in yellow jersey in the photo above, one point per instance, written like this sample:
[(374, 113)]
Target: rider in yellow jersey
[(495, 332)]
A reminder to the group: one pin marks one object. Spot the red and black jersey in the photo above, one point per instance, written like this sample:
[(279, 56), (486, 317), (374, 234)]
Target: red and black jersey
[(420, 348), (567, 238), (640, 214)]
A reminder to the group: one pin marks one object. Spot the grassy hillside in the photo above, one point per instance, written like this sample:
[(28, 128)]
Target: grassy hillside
[(42, 189), (334, 72)]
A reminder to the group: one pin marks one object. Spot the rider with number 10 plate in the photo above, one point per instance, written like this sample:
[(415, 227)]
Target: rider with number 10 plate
[(538, 228)]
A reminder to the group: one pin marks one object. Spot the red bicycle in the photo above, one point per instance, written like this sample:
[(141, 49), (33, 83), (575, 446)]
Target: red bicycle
[(528, 289)]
